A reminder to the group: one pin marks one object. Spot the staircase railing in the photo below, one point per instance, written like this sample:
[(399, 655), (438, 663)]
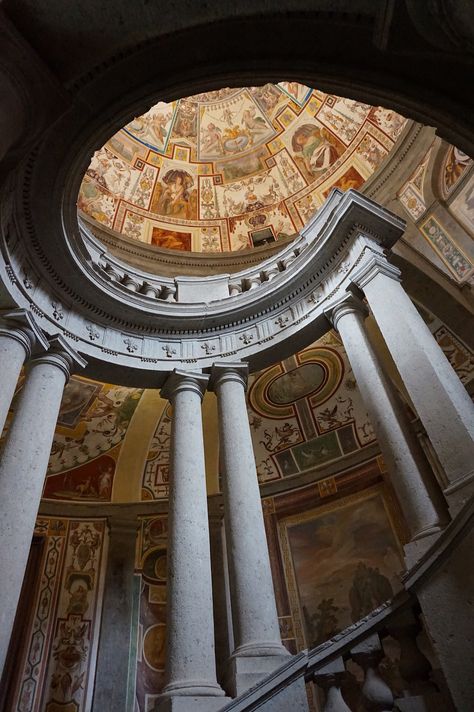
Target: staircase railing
[(422, 688)]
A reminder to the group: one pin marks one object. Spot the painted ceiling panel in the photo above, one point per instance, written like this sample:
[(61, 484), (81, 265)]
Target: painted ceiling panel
[(233, 169)]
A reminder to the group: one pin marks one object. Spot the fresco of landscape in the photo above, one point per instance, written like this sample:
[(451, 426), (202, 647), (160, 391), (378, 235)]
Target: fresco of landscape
[(346, 562)]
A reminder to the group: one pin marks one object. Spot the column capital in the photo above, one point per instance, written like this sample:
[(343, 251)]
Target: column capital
[(348, 304), (61, 355), (223, 371), (375, 264), (180, 380), (20, 324)]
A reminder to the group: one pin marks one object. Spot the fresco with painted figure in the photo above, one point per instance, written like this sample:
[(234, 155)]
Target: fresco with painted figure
[(55, 668), (92, 481), (93, 419), (217, 165)]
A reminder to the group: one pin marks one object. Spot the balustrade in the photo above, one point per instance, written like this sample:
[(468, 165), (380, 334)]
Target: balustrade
[(362, 643)]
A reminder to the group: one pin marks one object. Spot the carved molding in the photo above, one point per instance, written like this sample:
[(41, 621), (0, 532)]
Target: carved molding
[(143, 325)]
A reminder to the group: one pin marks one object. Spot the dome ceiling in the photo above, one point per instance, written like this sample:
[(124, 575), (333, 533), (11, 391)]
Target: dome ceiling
[(233, 169)]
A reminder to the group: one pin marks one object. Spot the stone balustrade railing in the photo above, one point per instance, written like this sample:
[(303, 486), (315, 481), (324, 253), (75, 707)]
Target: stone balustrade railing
[(375, 683), (343, 687), (188, 289)]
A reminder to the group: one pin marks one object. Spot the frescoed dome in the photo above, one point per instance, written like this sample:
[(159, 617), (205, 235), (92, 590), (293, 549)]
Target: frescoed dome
[(233, 169)]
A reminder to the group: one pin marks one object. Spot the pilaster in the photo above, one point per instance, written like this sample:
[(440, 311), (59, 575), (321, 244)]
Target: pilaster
[(111, 679)]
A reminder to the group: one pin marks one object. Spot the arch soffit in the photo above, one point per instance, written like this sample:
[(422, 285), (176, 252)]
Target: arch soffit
[(102, 105)]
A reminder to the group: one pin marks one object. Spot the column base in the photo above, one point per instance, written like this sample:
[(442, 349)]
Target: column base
[(191, 696), (184, 703), (245, 669)]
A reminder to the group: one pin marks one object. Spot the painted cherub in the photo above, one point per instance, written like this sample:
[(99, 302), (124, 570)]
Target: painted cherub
[(212, 139)]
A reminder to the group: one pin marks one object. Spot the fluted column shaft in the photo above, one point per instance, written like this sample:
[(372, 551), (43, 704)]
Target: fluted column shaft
[(254, 612), (441, 401), (190, 657), (23, 465), (410, 475)]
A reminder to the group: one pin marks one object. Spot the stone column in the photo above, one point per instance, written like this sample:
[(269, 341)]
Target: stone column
[(410, 474), (438, 395), (191, 682), (111, 678), (258, 648), (23, 465), (18, 337)]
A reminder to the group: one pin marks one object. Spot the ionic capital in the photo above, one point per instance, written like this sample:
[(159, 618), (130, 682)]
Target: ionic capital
[(19, 324), (375, 264), (349, 304), (179, 381), (61, 355), (223, 371)]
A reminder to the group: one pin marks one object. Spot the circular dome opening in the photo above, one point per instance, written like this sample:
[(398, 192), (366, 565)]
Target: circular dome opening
[(230, 171)]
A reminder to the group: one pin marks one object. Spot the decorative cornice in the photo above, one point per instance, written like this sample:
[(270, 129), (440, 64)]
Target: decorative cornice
[(373, 265), (251, 316)]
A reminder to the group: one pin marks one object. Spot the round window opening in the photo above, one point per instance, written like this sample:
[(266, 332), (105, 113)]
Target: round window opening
[(219, 174)]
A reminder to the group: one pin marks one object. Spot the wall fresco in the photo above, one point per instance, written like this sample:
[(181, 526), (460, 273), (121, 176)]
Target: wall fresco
[(306, 411), (455, 164), (150, 575), (90, 482), (56, 669), (412, 194), (346, 561), (93, 420), (462, 206), (459, 264), (335, 550), (155, 476), (204, 172)]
